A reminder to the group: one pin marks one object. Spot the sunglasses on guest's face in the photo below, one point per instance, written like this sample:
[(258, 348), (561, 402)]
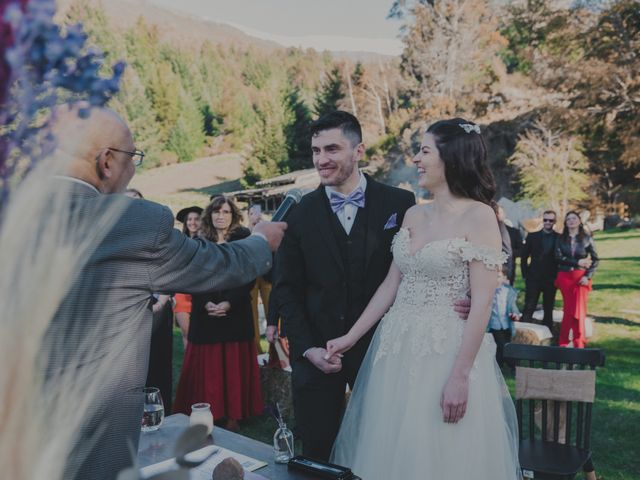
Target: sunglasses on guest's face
[(549, 220)]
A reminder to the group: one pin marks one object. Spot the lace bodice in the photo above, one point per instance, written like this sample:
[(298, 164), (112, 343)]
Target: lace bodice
[(434, 277)]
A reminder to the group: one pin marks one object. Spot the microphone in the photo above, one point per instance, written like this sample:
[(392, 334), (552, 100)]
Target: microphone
[(293, 196)]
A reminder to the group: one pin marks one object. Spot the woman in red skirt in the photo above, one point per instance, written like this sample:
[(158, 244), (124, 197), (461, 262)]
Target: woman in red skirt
[(577, 260), (220, 363)]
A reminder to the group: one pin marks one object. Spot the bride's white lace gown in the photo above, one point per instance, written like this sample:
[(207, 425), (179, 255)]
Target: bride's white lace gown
[(393, 426)]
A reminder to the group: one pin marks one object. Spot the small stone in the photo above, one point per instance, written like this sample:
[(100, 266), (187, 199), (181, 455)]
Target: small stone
[(228, 469)]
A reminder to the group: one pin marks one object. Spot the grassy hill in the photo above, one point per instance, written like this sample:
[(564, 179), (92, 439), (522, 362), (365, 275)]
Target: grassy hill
[(184, 184)]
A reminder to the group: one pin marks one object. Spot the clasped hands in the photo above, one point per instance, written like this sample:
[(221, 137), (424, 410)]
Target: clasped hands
[(329, 359), (217, 309), (584, 263)]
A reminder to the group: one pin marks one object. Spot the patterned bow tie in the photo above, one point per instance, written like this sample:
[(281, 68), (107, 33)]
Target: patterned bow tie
[(338, 201)]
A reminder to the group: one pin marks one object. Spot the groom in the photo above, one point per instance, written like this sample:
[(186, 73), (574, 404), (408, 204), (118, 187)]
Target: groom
[(334, 256)]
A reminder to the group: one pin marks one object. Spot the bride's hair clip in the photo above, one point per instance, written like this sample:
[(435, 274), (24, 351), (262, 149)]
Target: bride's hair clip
[(468, 128)]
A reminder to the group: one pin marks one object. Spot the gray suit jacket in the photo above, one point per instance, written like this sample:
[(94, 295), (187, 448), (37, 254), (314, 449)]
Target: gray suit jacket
[(106, 315)]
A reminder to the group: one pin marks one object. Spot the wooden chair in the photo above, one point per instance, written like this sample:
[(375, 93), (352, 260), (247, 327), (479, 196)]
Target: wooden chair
[(555, 390)]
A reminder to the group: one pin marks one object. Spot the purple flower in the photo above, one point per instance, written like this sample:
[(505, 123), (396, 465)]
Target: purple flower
[(43, 59)]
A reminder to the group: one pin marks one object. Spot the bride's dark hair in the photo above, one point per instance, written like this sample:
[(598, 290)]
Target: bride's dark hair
[(464, 153)]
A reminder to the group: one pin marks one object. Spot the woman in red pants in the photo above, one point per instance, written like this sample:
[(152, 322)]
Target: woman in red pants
[(577, 260)]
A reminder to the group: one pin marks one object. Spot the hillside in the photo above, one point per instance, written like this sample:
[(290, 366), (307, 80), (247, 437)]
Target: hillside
[(184, 30), (184, 184), (174, 27)]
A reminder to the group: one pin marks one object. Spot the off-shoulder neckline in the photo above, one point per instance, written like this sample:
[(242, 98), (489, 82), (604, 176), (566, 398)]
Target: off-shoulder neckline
[(418, 250)]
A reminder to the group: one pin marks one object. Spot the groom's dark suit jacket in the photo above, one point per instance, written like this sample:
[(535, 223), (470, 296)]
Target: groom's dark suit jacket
[(325, 278)]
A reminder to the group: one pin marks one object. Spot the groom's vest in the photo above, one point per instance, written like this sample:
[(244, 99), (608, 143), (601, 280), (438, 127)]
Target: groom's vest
[(352, 251)]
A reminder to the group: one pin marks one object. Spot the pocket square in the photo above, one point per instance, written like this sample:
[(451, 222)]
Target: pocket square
[(392, 222)]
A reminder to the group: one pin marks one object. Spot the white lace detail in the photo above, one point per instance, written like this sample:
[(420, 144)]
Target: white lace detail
[(422, 318), (491, 258)]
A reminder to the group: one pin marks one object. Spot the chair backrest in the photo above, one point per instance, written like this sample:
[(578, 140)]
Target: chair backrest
[(553, 382)]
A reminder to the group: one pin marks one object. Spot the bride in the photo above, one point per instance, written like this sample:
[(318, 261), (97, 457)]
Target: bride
[(429, 401)]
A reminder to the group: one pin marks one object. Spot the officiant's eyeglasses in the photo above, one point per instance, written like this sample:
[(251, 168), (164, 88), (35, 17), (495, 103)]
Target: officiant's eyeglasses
[(136, 156)]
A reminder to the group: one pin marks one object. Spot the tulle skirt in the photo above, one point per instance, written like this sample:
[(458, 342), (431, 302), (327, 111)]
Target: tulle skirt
[(393, 427)]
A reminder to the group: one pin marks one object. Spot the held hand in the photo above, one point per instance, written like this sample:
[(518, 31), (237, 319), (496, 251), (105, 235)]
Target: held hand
[(338, 346), (453, 401), (584, 262), (462, 308), (271, 333), (274, 231), (583, 281), (317, 358)]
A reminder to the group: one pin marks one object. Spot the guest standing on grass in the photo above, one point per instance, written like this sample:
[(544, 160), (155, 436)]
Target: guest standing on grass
[(539, 269), (220, 363), (190, 219), (577, 260)]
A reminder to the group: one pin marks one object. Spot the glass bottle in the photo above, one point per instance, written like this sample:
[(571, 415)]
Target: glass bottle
[(201, 415), (283, 444)]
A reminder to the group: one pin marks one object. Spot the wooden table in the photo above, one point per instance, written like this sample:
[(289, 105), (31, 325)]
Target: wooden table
[(157, 446)]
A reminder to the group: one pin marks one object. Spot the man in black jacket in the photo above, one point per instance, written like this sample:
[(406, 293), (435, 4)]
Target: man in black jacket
[(336, 253), (540, 273)]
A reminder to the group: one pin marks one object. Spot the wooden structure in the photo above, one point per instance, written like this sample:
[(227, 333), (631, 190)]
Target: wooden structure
[(269, 193)]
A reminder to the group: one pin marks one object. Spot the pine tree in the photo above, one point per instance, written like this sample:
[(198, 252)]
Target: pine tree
[(297, 131), (330, 95), (269, 154)]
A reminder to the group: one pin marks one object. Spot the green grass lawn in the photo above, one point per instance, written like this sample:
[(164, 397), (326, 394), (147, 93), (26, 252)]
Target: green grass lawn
[(615, 304)]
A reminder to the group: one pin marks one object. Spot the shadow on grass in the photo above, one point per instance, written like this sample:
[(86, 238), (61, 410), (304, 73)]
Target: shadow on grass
[(619, 345), (607, 237), (614, 444), (616, 286), (617, 321), (217, 189), (621, 259)]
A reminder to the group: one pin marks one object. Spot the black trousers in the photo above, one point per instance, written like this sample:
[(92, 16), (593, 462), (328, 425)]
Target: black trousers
[(161, 355), (501, 337), (319, 402), (531, 295)]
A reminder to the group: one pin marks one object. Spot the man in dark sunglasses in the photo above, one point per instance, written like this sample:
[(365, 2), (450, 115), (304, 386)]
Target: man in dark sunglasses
[(539, 269)]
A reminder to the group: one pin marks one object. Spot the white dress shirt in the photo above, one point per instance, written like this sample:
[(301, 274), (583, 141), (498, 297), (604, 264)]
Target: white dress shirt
[(347, 214)]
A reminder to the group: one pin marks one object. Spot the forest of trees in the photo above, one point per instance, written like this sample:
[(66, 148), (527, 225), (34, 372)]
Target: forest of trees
[(571, 71)]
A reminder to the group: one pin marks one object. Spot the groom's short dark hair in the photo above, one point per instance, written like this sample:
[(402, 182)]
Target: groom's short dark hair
[(346, 122)]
